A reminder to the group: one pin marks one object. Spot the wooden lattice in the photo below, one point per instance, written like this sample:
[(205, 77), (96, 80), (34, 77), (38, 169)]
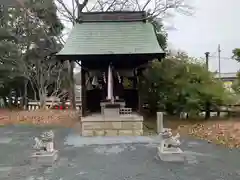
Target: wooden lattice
[(125, 111)]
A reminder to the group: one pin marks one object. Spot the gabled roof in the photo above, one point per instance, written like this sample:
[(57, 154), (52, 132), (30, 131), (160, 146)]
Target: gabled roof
[(116, 37)]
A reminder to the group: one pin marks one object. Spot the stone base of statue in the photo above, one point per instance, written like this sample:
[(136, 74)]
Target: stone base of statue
[(170, 154), (44, 154), (44, 157)]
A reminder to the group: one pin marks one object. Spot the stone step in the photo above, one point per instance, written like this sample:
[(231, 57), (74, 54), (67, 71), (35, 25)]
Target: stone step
[(112, 133), (114, 125)]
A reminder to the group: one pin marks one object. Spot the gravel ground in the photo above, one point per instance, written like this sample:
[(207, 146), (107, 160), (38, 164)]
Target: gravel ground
[(120, 158)]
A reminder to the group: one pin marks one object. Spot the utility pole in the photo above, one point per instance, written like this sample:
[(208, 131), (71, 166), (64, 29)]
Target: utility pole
[(207, 105), (219, 61), (207, 59)]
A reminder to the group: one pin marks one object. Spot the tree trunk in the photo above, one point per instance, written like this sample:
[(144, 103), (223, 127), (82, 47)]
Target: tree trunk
[(42, 96), (35, 95), (21, 100), (34, 91), (5, 101), (208, 111), (25, 100), (10, 100), (16, 98)]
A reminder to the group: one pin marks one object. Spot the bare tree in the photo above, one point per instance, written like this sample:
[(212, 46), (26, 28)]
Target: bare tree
[(45, 76), (154, 8), (37, 63), (43, 72)]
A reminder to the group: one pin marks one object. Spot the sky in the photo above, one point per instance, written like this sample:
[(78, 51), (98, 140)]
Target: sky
[(214, 22)]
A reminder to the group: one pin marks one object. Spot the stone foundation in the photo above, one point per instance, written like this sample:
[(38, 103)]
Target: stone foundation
[(170, 154), (119, 126), (44, 158)]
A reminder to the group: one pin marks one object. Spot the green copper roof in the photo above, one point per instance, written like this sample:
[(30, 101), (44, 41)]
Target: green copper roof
[(97, 38)]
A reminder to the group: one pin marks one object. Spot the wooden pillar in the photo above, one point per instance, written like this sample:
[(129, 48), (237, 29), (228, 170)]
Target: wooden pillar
[(83, 92), (135, 80), (135, 88), (139, 74), (73, 86)]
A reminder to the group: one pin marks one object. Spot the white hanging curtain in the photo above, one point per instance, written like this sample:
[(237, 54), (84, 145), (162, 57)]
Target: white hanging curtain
[(110, 84), (88, 82)]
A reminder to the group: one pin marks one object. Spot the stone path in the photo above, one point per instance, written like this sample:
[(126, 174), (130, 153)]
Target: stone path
[(112, 158)]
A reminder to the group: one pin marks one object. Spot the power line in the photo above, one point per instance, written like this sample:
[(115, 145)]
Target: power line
[(219, 50), (227, 58), (213, 54)]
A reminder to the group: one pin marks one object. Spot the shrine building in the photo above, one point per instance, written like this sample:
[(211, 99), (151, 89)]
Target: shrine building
[(113, 49)]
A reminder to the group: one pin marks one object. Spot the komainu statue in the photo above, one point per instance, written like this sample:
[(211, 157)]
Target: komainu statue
[(173, 141), (44, 142), (169, 140)]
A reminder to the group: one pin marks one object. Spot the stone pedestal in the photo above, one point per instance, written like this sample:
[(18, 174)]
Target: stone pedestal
[(110, 112), (44, 157), (106, 103), (170, 154), (108, 108), (160, 128), (98, 125)]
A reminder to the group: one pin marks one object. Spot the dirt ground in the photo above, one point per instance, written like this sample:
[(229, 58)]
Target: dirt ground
[(66, 118), (220, 131)]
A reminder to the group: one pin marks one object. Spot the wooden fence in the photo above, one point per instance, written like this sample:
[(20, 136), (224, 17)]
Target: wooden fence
[(35, 105)]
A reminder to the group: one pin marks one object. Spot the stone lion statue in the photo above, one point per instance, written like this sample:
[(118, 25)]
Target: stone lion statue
[(42, 142), (172, 141)]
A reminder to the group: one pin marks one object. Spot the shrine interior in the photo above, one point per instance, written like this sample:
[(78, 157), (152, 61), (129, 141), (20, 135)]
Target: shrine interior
[(124, 88)]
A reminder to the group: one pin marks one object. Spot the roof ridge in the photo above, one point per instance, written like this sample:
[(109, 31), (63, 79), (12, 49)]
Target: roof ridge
[(117, 16)]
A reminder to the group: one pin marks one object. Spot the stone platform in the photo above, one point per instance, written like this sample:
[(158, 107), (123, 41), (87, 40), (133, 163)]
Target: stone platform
[(170, 154), (97, 125), (44, 158)]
